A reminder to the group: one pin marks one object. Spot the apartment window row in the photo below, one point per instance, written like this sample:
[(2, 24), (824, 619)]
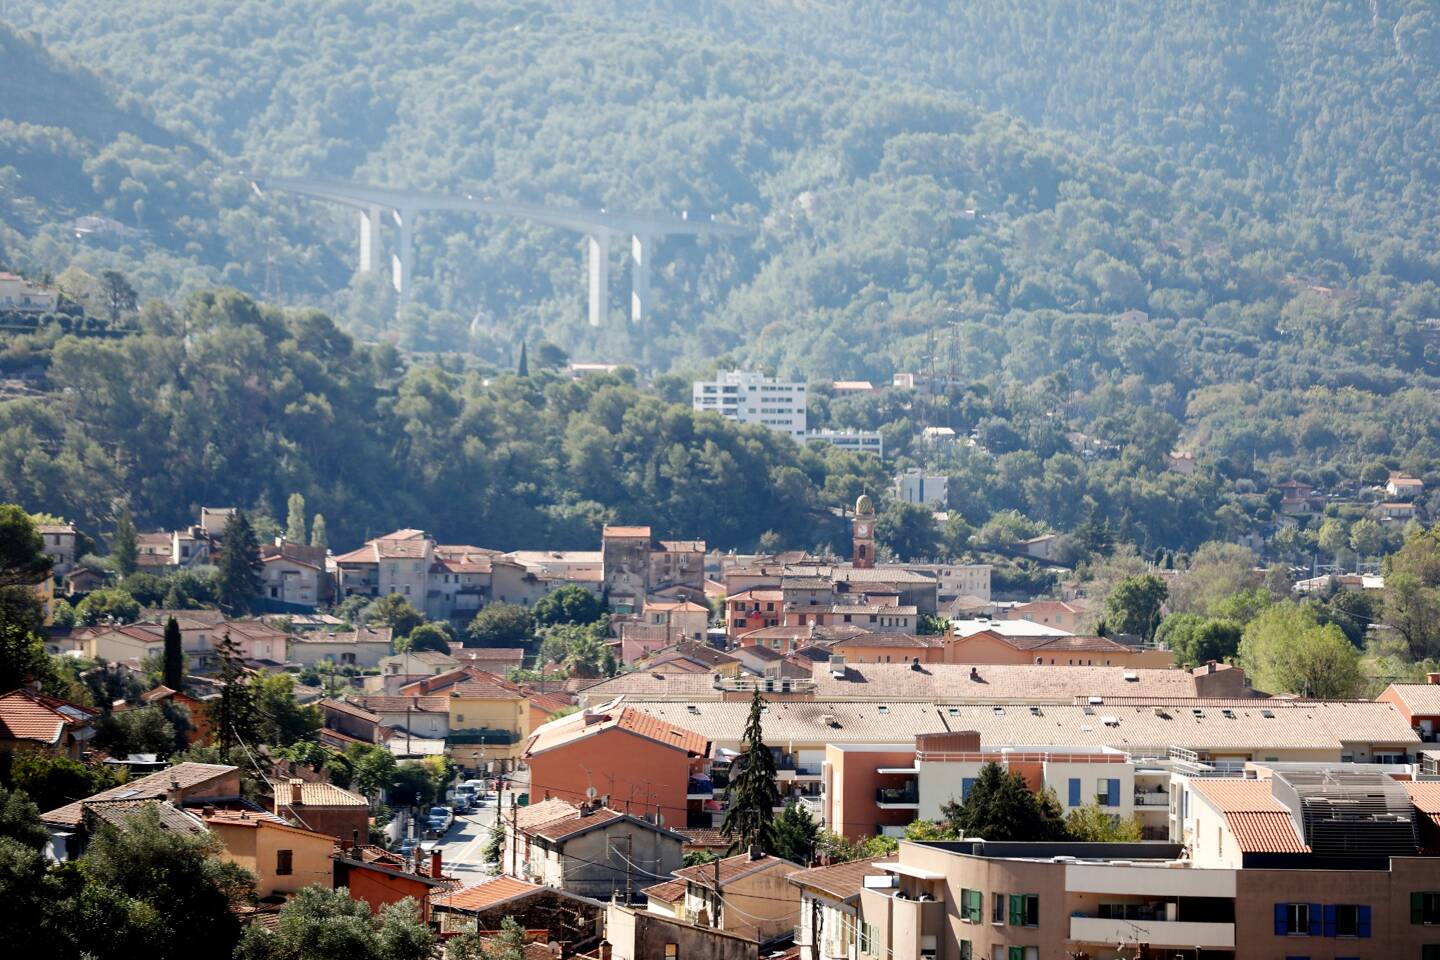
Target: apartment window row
[(1018, 909), (1322, 920), (1425, 908)]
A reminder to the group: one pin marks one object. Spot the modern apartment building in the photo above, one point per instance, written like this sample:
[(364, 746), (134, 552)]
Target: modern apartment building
[(749, 397)]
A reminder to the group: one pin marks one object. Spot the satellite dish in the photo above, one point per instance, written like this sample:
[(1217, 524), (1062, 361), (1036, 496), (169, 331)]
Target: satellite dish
[(590, 793)]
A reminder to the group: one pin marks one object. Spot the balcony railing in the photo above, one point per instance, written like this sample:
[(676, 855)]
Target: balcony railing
[(893, 796), (483, 735), (700, 788), (1152, 799)]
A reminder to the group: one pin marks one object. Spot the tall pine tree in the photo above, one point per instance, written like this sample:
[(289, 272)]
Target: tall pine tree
[(174, 656), (233, 713), (750, 821), (238, 568)]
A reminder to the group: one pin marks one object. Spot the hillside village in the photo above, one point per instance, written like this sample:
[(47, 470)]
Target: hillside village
[(567, 740)]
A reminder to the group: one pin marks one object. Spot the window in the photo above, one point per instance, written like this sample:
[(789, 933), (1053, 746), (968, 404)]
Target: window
[(672, 951), (997, 910), (1074, 791), (965, 784), (1425, 908), (966, 951), (867, 938), (1347, 920), (1109, 794), (1430, 951), (971, 906), (284, 863), (1297, 920), (1024, 910)]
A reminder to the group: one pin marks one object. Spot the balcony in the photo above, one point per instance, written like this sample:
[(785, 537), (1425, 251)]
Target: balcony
[(483, 735), (1152, 799), (1156, 933), (699, 788), (898, 798)]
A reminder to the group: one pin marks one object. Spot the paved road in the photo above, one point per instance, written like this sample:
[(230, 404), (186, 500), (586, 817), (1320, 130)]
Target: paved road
[(464, 843)]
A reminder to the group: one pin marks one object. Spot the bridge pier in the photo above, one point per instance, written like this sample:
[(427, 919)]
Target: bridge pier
[(641, 247), (369, 238), (402, 263), (599, 256)]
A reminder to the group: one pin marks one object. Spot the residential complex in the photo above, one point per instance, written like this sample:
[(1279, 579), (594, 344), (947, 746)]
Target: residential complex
[(749, 397)]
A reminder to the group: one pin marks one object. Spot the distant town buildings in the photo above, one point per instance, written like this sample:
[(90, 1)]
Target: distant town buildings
[(748, 397), (20, 295), (916, 486)]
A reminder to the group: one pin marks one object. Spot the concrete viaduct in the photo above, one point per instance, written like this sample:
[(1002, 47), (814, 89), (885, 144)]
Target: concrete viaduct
[(599, 226)]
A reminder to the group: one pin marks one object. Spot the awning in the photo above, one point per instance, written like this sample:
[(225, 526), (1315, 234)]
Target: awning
[(919, 873), (910, 770)]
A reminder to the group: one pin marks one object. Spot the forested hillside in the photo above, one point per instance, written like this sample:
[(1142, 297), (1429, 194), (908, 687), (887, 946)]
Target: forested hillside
[(1157, 224)]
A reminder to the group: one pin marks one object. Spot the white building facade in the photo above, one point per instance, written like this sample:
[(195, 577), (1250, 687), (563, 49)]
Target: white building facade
[(749, 397)]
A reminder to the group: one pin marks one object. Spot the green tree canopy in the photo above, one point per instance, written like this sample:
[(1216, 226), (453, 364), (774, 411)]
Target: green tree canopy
[(1133, 607), (796, 833), (500, 625), (569, 604), (1000, 806), (1286, 650)]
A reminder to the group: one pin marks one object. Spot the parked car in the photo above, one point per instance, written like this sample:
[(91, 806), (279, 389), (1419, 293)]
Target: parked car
[(441, 818)]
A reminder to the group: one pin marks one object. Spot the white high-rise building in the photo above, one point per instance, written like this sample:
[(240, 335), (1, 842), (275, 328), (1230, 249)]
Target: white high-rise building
[(753, 398)]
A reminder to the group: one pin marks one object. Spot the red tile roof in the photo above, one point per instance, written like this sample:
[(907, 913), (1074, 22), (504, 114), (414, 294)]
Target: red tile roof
[(652, 727), (152, 786), (349, 709), (1258, 822), (731, 869), (670, 891), (24, 716), (487, 894), (610, 531), (842, 881)]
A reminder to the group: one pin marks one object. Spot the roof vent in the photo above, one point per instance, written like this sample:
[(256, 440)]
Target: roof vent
[(1097, 700), (1268, 714), (1110, 721), (974, 673), (1036, 712), (998, 711), (914, 663), (829, 720), (1131, 676), (692, 708), (1160, 712)]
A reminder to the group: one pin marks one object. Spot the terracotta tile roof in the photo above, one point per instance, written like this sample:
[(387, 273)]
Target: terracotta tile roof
[(1265, 832), (990, 682), (320, 795), (349, 709), (1258, 822), (381, 704), (804, 721), (904, 640), (551, 702), (26, 716), (365, 554), (1069, 645), (706, 837), (669, 891), (843, 881), (119, 813), (1421, 699), (760, 594), (629, 532), (577, 726), (489, 653), (1425, 796), (567, 826), (361, 635), (687, 606), (731, 869), (153, 786), (543, 812), (485, 690), (430, 658)]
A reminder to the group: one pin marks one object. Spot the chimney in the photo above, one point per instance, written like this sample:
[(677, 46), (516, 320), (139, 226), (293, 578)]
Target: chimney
[(604, 950), (435, 865), (756, 853), (1209, 666), (295, 786), (914, 663), (974, 673), (1433, 678), (355, 838), (174, 794), (207, 810)]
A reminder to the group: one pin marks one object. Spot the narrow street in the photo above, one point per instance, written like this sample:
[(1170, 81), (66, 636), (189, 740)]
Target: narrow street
[(463, 846)]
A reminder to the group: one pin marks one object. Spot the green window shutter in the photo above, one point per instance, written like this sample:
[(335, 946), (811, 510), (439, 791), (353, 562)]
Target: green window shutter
[(977, 906), (965, 950), (1017, 953), (1017, 911), (1417, 907)]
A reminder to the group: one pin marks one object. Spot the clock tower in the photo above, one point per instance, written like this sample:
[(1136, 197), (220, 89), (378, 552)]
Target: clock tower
[(863, 533)]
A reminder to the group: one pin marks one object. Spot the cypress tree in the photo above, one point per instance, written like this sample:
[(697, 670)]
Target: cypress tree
[(174, 656), (523, 367), (125, 546), (753, 797), (238, 574), (318, 535), (232, 713), (295, 518)]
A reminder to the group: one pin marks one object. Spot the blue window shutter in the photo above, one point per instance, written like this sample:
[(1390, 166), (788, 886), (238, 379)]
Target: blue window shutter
[(1330, 921), (1362, 922), (1316, 925), (1281, 924), (1074, 791), (965, 786), (1112, 788)]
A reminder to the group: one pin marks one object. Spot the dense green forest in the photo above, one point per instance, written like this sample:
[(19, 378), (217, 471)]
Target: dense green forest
[(1157, 224)]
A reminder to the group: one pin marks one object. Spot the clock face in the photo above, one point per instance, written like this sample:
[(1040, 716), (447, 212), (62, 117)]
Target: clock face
[(862, 529)]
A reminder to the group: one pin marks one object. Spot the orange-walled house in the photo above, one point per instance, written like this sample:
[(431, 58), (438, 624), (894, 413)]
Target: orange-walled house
[(378, 877), (643, 764), (200, 726), (283, 858)]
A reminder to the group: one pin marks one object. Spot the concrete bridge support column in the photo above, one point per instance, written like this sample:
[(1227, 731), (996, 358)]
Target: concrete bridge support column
[(599, 257), (403, 263), (369, 238), (641, 247)]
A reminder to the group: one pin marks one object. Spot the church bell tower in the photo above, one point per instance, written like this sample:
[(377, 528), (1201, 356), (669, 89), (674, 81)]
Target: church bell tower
[(863, 534)]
